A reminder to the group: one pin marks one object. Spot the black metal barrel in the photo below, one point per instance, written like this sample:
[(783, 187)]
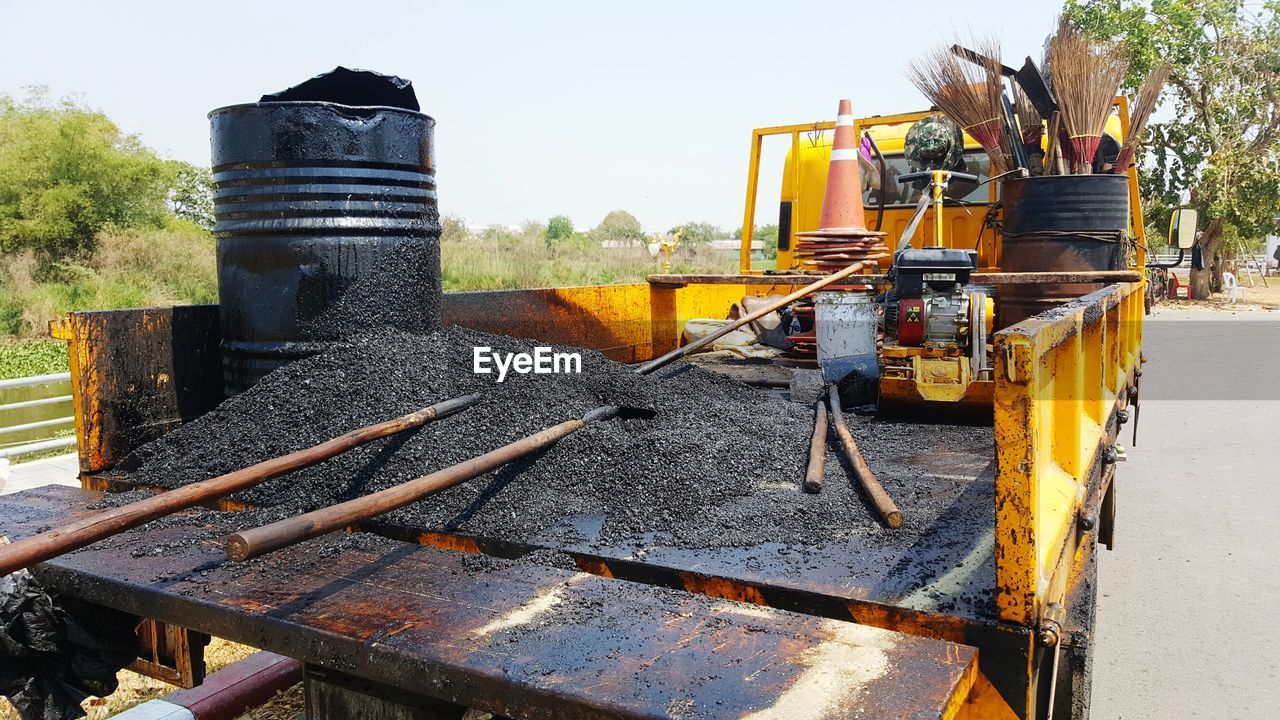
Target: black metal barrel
[(1059, 223), (327, 226)]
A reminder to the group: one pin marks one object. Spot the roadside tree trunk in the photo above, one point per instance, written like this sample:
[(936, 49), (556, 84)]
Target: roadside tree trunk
[(1203, 281)]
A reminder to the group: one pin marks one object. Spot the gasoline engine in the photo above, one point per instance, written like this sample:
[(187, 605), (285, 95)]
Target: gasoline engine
[(929, 305), (935, 322)]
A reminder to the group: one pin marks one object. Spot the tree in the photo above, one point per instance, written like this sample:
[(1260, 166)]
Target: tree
[(67, 173), (768, 234), (559, 228), (192, 195), (453, 229), (696, 234), (1222, 147), (765, 234), (619, 225)]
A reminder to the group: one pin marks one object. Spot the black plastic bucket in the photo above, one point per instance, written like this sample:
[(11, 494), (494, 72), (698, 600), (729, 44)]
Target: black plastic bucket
[(326, 224), (1059, 223)]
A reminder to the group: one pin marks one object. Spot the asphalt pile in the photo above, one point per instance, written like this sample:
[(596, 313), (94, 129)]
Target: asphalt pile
[(714, 464)]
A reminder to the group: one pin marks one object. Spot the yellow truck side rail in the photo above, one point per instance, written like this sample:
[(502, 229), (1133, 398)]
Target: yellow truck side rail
[(1061, 377)]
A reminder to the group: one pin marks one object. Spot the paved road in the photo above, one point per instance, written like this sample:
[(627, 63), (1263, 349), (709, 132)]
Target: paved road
[(1190, 606), (60, 470)]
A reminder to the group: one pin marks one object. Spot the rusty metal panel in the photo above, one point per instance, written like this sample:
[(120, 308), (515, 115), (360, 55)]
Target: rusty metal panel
[(171, 654), (522, 640), (628, 323), (136, 374), (1060, 377)]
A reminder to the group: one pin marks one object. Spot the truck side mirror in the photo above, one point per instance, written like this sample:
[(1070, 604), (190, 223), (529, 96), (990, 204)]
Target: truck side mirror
[(1182, 228)]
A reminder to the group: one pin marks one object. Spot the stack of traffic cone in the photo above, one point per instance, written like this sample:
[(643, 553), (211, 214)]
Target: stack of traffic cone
[(842, 237)]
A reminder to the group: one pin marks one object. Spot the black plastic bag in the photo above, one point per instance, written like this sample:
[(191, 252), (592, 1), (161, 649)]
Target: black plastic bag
[(56, 652)]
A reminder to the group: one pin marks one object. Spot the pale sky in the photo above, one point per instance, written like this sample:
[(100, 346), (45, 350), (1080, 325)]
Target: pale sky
[(542, 108)]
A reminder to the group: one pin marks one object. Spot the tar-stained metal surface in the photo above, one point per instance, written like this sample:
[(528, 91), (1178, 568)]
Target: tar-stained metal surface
[(139, 373), (517, 639), (327, 223)]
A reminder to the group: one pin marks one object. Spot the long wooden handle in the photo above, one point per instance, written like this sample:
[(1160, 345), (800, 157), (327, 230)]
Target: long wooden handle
[(748, 318), (50, 544), (870, 483), (817, 450), (248, 544)]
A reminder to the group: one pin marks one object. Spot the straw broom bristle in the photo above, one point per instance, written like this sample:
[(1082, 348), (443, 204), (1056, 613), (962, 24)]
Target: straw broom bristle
[(1029, 120), (1086, 77), (1143, 107), (970, 94)]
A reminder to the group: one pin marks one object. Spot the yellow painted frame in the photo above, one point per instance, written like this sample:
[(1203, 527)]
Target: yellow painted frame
[(1121, 104), (1059, 379)]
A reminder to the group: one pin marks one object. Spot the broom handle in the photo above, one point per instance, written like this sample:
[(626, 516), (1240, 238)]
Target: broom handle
[(73, 536), (884, 504), (248, 544)]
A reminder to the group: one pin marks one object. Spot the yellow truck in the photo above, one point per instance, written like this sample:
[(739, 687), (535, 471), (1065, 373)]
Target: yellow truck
[(986, 616)]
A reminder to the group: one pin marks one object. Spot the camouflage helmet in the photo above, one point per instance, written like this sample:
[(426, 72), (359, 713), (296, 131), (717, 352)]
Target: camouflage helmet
[(933, 143)]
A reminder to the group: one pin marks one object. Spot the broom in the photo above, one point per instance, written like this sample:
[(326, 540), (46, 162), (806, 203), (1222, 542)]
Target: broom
[(1086, 77), (971, 95), (1030, 122), (1031, 130), (1148, 96)]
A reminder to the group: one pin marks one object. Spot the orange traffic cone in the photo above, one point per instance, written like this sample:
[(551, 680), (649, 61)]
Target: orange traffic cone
[(842, 237)]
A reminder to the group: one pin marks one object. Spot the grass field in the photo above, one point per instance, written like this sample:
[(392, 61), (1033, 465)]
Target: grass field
[(176, 266)]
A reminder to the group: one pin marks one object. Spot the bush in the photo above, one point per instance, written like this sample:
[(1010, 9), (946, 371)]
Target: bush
[(559, 228), (620, 226), (67, 173), (170, 266)]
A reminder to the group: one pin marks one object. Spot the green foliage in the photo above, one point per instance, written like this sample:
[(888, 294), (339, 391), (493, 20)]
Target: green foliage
[(67, 173), (697, 234), (559, 228), (192, 194), (128, 268), (621, 226), (23, 358), (1222, 145), (452, 229), (768, 234)]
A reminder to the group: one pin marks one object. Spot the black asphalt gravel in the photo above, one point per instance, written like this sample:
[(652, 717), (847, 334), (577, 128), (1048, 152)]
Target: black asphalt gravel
[(718, 464)]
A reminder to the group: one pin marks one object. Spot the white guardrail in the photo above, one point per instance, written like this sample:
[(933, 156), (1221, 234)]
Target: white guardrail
[(35, 414)]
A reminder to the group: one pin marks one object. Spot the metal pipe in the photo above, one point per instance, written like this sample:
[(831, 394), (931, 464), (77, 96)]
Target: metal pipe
[(37, 425), (750, 317), (884, 178), (817, 450), (36, 447), (248, 544), (34, 380), (870, 483), (977, 333), (24, 404), (46, 545)]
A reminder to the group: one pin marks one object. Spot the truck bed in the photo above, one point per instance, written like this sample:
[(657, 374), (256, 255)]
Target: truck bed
[(511, 638)]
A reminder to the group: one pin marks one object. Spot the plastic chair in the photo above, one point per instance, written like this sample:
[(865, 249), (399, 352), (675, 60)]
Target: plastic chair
[(1231, 287)]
